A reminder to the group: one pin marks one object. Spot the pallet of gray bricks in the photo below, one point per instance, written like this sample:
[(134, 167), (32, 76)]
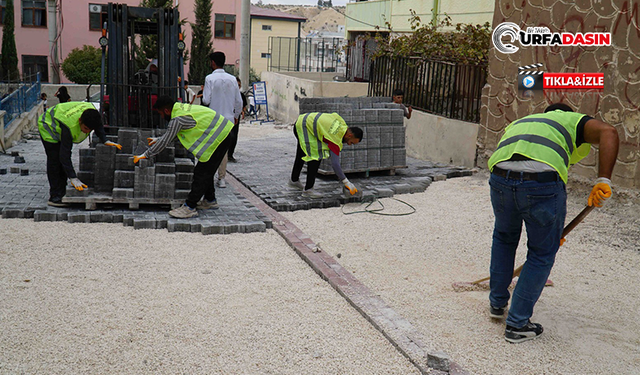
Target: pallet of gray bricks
[(108, 171), (383, 145)]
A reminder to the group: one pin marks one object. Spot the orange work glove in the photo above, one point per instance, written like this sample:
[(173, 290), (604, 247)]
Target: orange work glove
[(600, 192), (137, 158), (152, 141), (112, 144), (562, 241)]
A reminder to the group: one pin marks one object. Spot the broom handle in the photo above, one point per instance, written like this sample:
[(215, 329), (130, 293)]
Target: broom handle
[(566, 231)]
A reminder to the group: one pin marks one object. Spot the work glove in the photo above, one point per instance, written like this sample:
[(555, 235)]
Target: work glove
[(78, 184), (350, 186), (151, 141), (600, 192), (562, 241), (137, 158), (109, 143)]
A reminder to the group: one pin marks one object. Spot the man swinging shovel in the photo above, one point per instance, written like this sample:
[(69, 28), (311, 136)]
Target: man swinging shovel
[(528, 177)]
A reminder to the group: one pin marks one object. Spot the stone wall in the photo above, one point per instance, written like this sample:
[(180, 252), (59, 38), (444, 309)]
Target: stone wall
[(617, 104)]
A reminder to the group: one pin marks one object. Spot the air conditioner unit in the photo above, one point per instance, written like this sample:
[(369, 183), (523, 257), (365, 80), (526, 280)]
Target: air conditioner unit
[(94, 8)]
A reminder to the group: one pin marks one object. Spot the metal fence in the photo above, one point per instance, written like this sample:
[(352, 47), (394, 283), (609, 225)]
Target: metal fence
[(20, 99), (307, 54), (444, 88)]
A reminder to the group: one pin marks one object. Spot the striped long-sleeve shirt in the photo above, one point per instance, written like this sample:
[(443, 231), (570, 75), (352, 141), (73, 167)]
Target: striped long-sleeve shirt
[(173, 127)]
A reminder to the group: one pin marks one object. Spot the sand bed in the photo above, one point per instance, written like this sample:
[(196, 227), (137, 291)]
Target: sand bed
[(590, 316), (105, 299)]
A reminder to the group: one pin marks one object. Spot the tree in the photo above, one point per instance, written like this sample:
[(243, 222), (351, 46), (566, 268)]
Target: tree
[(83, 65), (148, 47), (201, 42), (9, 61)]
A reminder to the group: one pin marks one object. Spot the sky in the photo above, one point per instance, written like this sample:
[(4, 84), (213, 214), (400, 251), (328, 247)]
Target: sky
[(300, 2)]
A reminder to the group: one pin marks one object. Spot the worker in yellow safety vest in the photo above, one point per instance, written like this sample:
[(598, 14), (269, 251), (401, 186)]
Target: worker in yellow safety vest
[(528, 177), (204, 133), (60, 127), (321, 136)]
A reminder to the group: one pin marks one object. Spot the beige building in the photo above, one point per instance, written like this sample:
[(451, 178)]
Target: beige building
[(373, 15), (267, 23)]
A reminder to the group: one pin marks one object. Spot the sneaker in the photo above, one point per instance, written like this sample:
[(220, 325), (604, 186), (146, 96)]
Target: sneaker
[(232, 159), (57, 203), (496, 312), (295, 184), (221, 183), (311, 193), (183, 212), (528, 332), (205, 204)]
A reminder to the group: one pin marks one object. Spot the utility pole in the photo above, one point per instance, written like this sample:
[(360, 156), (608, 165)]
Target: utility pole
[(53, 43), (245, 28)]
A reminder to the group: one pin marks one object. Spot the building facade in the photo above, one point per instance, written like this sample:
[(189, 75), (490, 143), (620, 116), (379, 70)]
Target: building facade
[(79, 23), (371, 16)]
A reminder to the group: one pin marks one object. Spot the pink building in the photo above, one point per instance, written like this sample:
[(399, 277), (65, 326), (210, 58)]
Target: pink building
[(80, 23)]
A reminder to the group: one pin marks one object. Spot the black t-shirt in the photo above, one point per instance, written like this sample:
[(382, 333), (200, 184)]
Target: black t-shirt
[(200, 95)]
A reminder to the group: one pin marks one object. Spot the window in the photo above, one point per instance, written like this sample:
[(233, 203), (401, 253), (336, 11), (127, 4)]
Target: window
[(3, 4), (265, 55), (34, 13), (266, 27), (34, 64), (225, 26), (97, 16)]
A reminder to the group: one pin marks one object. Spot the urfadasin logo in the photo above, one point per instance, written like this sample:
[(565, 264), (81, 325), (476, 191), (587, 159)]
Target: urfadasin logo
[(542, 36), (509, 29)]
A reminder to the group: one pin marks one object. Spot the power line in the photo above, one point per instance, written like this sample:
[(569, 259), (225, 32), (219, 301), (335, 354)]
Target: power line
[(368, 24)]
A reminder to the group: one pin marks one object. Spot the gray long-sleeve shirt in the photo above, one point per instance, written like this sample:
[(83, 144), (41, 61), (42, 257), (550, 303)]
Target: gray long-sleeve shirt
[(173, 127)]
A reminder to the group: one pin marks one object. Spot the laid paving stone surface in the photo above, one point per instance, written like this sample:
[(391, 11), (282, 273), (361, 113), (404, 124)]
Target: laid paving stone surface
[(25, 196), (264, 166)]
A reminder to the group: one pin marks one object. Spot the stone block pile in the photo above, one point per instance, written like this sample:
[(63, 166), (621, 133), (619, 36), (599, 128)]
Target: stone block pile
[(112, 172), (383, 145)]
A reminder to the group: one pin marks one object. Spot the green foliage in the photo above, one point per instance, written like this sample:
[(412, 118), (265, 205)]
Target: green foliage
[(201, 42), (82, 65), (253, 76), (466, 43), (9, 61)]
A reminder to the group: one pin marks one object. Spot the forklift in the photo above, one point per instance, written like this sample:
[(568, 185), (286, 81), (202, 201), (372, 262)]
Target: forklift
[(131, 92)]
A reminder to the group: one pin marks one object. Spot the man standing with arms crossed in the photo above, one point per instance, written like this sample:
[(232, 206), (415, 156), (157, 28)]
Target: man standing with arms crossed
[(528, 177), (221, 93)]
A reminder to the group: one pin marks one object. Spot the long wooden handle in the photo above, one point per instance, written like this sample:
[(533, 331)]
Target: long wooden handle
[(568, 228)]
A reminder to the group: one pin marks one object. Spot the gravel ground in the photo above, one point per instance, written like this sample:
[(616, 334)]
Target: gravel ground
[(105, 299), (590, 316)]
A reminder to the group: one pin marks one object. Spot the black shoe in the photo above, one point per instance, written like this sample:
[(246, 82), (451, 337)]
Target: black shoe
[(57, 203), (496, 313), (232, 159), (528, 332)]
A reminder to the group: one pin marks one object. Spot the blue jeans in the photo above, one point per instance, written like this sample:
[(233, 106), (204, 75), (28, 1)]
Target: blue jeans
[(542, 207)]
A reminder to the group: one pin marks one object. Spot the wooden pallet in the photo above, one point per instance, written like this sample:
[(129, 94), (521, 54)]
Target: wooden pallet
[(391, 170), (91, 202)]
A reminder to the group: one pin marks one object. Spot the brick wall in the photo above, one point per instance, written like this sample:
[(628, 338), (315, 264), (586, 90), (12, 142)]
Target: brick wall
[(617, 105)]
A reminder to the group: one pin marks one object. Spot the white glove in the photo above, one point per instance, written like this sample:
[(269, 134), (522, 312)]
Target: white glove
[(352, 188), (78, 184), (600, 193)]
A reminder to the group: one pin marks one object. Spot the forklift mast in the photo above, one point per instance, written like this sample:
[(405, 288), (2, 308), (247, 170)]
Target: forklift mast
[(132, 92)]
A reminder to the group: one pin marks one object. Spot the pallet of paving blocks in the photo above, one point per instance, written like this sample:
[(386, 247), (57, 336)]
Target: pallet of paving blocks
[(383, 145), (113, 178)]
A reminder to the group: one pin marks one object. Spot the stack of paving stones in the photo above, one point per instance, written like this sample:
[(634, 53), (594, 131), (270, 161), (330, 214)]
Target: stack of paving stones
[(383, 144), (265, 168), (111, 171), (26, 197)]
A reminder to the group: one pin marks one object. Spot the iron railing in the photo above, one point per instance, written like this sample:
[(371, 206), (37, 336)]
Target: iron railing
[(307, 54), (444, 88), (20, 99)]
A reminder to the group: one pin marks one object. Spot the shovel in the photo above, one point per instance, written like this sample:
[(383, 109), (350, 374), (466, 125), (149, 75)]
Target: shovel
[(484, 282)]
